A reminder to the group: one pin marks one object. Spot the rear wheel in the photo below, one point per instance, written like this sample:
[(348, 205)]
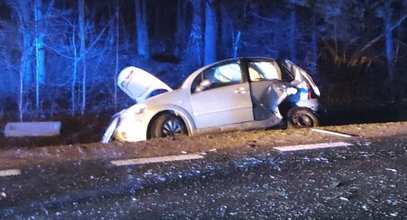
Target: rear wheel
[(168, 125), (301, 118)]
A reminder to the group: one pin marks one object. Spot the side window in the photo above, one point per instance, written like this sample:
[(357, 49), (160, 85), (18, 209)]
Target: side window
[(263, 70), (217, 76)]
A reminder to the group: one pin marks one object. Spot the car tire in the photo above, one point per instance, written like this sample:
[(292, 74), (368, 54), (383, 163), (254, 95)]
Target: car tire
[(167, 125), (301, 118)]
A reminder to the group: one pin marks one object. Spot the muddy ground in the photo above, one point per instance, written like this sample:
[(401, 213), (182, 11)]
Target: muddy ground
[(16, 152), (354, 184)]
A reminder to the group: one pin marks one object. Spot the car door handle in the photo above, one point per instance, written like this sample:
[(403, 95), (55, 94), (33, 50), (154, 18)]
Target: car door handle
[(240, 90)]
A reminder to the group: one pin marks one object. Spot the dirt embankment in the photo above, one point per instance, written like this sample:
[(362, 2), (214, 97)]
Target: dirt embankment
[(18, 156)]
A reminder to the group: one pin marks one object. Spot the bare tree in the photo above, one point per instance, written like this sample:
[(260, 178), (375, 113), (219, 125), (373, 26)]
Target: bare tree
[(116, 69), (386, 14), (22, 10), (40, 34), (388, 39), (142, 29), (195, 43), (80, 42), (232, 22), (82, 50), (211, 26), (292, 41), (182, 26)]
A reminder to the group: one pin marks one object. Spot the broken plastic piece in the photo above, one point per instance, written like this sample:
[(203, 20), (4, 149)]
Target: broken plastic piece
[(332, 132), (21, 129)]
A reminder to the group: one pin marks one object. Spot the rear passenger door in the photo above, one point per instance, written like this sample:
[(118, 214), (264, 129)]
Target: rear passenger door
[(262, 73)]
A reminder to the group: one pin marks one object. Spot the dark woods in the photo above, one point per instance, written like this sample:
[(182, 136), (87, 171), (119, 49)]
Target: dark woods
[(62, 57)]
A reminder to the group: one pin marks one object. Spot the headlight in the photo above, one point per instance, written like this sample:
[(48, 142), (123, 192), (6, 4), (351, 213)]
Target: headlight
[(121, 136)]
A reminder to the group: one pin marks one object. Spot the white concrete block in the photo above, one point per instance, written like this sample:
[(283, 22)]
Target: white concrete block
[(21, 129)]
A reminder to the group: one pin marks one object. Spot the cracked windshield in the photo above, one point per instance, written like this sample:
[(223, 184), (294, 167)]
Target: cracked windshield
[(203, 109)]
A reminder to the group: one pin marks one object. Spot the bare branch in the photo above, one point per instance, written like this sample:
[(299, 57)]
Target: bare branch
[(398, 23), (100, 34), (263, 18), (58, 52), (402, 42)]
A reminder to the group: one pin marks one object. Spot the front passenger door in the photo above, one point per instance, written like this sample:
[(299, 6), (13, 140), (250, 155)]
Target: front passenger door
[(221, 96)]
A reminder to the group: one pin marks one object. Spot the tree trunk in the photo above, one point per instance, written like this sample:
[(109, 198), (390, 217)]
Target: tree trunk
[(74, 74), (27, 41), (21, 90), (313, 61), (142, 30), (116, 71), (195, 37), (389, 46), (39, 51), (210, 32), (376, 39), (236, 40), (82, 51), (293, 35), (25, 76), (181, 28)]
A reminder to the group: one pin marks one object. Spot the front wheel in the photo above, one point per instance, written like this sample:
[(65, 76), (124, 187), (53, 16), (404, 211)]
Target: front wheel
[(301, 118), (168, 125)]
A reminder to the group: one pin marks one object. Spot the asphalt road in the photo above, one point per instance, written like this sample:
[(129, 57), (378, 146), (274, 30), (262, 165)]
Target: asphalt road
[(365, 180)]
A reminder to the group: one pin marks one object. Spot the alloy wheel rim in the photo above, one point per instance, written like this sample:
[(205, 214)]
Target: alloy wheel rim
[(304, 121), (172, 127)]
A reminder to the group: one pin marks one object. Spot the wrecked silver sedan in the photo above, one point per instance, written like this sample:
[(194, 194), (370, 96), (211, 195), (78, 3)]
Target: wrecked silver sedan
[(233, 94)]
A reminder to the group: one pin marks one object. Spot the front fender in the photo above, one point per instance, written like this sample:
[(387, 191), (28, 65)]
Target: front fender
[(180, 112)]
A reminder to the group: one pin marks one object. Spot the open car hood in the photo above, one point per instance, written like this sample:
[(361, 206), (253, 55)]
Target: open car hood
[(139, 84)]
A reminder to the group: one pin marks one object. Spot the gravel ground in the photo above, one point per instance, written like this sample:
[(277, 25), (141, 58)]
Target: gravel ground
[(365, 181)]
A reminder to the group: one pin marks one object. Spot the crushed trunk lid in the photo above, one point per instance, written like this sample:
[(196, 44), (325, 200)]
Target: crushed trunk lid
[(139, 84), (301, 75)]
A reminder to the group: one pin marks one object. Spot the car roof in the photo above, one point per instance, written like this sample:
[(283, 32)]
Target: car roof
[(187, 82)]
